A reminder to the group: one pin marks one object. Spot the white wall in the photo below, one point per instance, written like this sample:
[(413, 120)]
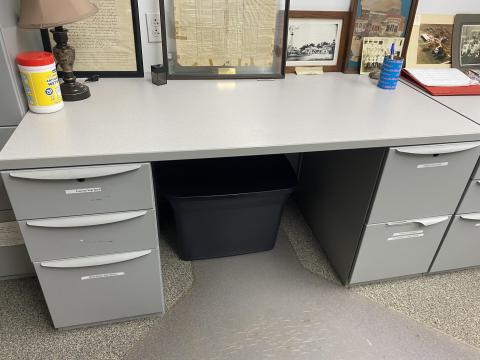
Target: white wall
[(152, 52), (449, 7), (16, 40), (324, 5)]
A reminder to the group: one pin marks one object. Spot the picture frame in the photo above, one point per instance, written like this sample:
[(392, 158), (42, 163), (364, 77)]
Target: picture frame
[(316, 28), (107, 69), (375, 49), (466, 42), (178, 36), (389, 18), (431, 42)]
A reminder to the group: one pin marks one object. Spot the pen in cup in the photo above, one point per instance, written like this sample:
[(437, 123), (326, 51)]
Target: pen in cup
[(392, 52)]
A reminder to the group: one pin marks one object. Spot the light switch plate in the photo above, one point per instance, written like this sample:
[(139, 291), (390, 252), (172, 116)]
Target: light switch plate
[(154, 27)]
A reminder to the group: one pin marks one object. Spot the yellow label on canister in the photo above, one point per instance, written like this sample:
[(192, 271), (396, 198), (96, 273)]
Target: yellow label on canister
[(42, 88)]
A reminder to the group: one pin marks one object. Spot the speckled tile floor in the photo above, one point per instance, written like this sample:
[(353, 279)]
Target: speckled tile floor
[(26, 331), (448, 302)]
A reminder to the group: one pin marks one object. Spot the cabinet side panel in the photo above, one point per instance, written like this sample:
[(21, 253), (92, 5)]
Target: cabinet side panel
[(336, 191)]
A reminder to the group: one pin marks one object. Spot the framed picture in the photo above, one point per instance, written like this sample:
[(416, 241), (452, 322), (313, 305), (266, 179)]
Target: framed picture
[(377, 18), (316, 38), (107, 44), (466, 42), (431, 42), (375, 49), (224, 39)]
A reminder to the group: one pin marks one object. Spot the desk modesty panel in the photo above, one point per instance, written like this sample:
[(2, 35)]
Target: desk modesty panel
[(131, 120)]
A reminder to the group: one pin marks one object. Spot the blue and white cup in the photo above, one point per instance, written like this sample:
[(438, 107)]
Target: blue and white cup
[(390, 73)]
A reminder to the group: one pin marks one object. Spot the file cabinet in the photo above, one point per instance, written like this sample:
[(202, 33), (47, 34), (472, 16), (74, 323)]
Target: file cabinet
[(422, 181), (92, 235), (398, 248), (97, 289), (79, 190), (64, 237), (387, 210), (461, 247)]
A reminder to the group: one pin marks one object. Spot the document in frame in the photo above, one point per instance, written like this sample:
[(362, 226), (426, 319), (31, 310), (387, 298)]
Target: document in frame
[(105, 41), (225, 33)]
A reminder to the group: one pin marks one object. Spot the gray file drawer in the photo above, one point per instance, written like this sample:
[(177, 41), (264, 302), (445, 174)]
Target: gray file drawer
[(398, 248), (421, 181), (471, 201), (14, 261), (85, 235), (461, 247), (79, 190), (102, 288)]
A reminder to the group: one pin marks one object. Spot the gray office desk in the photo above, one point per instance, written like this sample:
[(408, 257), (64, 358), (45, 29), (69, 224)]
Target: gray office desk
[(131, 120)]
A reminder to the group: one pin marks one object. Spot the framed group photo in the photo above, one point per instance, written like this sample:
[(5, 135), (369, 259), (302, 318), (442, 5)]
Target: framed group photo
[(375, 18), (316, 38), (466, 42)]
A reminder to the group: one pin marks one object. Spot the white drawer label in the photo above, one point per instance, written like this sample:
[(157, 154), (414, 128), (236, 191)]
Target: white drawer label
[(83, 191), (432, 165), (100, 276), (406, 235), (10, 234)]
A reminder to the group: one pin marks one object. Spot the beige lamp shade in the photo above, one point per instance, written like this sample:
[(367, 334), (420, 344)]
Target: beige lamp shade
[(43, 14)]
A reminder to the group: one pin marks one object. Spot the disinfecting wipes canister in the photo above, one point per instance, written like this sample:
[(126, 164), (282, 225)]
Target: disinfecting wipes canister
[(40, 81)]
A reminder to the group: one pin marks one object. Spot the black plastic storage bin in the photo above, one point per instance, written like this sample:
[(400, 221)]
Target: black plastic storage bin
[(227, 206)]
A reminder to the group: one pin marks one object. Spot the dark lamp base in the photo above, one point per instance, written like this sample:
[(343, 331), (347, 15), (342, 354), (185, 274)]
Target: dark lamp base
[(74, 91)]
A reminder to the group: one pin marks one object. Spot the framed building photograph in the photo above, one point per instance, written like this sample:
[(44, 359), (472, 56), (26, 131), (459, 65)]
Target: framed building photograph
[(431, 42), (466, 42), (316, 38), (377, 18), (107, 44), (224, 39)]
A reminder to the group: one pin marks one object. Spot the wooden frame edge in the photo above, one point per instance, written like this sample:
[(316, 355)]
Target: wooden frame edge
[(344, 15), (408, 31), (137, 40)]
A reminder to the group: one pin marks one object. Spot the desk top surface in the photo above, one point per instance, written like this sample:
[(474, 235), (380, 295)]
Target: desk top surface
[(131, 120), (468, 106)]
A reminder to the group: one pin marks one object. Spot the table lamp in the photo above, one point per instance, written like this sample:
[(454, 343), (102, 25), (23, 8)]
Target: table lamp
[(44, 14)]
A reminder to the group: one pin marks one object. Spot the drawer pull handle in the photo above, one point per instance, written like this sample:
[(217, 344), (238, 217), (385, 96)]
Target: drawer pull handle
[(437, 149), (99, 260), (86, 220), (470, 217), (75, 173), (424, 222)]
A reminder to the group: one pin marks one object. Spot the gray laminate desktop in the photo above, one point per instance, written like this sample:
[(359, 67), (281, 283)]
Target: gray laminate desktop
[(468, 106), (131, 120)]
